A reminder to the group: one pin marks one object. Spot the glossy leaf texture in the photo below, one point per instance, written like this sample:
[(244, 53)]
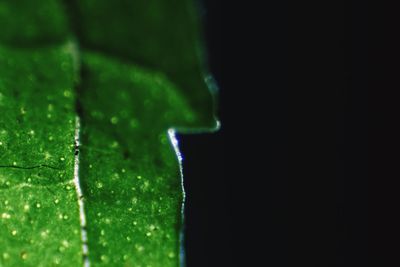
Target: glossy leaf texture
[(130, 72)]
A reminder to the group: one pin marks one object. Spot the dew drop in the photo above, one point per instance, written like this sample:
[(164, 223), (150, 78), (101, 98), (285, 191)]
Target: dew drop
[(99, 185), (67, 93), (62, 158), (26, 207), (14, 232), (171, 255), (65, 243), (6, 256), (24, 255), (102, 232), (103, 258), (128, 238), (146, 185), (38, 205), (57, 260), (148, 234), (114, 144), (56, 201), (139, 248), (5, 216), (114, 120), (47, 155)]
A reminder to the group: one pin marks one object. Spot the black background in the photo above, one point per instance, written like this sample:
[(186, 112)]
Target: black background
[(208, 232), (228, 185), (285, 180)]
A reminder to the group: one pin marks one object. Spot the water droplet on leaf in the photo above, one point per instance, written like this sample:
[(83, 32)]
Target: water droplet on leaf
[(24, 255)]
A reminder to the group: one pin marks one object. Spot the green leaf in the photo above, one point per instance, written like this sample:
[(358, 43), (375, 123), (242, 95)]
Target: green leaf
[(39, 223), (89, 94), (157, 34)]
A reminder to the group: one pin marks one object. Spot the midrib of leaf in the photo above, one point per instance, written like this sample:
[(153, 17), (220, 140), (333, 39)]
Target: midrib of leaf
[(79, 194), (73, 47)]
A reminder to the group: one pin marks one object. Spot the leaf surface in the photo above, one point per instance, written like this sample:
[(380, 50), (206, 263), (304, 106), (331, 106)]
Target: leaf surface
[(131, 73), (39, 224)]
